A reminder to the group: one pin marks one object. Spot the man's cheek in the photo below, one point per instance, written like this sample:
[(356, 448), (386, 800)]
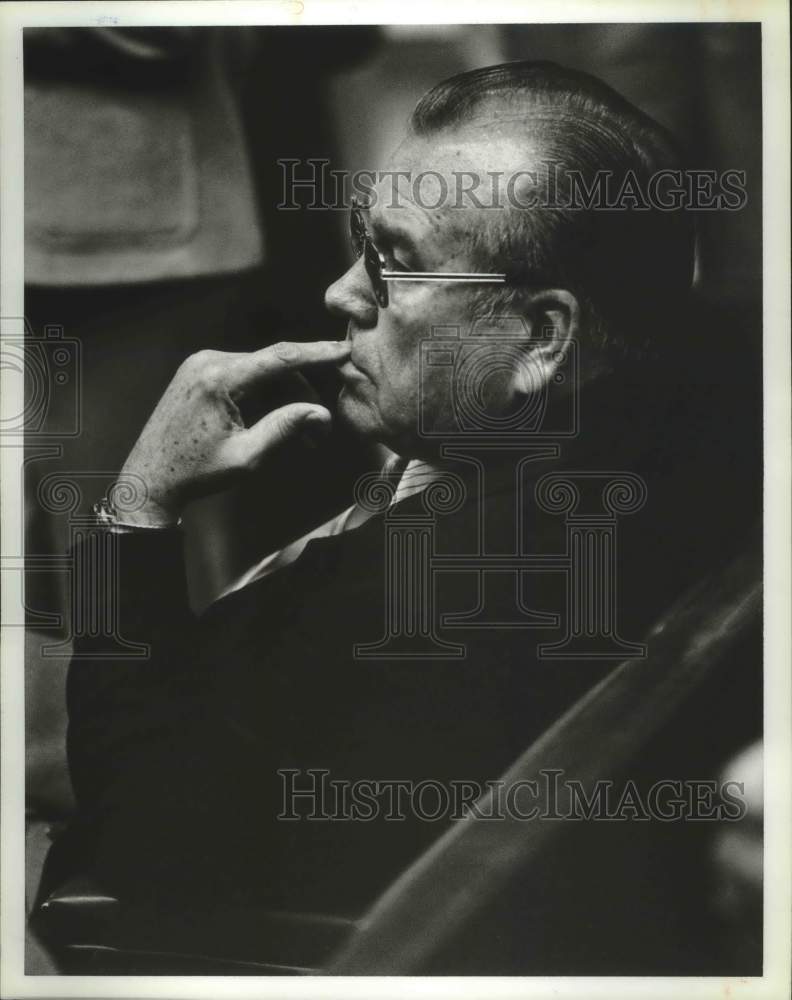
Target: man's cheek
[(398, 400), (435, 399)]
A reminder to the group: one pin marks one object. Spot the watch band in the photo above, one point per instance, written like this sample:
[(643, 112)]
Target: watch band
[(107, 516)]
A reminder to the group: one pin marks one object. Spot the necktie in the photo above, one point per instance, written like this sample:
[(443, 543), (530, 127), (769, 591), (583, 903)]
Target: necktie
[(410, 477)]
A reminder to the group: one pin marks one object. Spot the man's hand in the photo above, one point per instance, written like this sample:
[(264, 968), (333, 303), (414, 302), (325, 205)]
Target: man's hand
[(196, 441)]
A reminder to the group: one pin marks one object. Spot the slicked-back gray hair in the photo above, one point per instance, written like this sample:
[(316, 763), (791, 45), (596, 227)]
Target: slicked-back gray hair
[(629, 266)]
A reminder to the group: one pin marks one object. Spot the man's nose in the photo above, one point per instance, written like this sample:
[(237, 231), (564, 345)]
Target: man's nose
[(352, 297)]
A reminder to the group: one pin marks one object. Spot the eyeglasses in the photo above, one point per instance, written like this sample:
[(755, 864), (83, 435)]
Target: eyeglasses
[(363, 246)]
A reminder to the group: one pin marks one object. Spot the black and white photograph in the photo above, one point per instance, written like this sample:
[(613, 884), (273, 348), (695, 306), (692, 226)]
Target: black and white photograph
[(395, 441)]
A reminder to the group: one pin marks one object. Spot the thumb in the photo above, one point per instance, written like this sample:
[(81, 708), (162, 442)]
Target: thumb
[(290, 421)]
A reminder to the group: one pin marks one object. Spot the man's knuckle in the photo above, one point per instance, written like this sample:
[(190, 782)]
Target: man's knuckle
[(286, 351), (199, 360), (201, 369), (279, 426), (210, 375)]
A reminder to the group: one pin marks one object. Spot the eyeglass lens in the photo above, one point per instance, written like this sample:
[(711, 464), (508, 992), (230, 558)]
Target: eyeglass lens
[(363, 246)]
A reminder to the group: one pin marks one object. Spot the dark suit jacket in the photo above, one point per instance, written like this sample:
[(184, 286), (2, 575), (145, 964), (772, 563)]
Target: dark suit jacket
[(175, 759)]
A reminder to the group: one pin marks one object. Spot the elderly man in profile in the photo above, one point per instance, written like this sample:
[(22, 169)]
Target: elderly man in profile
[(178, 760)]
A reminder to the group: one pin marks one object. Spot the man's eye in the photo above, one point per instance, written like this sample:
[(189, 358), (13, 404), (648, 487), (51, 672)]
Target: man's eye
[(394, 264)]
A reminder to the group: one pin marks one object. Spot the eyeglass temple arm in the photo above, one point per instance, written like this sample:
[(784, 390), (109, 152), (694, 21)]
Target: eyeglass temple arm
[(443, 276)]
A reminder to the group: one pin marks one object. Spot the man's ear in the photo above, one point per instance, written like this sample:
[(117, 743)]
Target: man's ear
[(553, 318)]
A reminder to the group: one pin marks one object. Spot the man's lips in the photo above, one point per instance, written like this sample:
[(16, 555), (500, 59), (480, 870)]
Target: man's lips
[(349, 370), (350, 367)]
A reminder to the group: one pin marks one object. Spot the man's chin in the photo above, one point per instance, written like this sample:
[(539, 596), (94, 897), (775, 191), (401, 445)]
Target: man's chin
[(355, 415)]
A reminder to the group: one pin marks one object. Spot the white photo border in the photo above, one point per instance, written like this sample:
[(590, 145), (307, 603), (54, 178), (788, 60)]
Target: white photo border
[(774, 17)]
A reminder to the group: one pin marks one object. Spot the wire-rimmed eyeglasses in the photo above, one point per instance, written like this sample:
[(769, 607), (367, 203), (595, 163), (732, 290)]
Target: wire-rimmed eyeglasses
[(379, 275)]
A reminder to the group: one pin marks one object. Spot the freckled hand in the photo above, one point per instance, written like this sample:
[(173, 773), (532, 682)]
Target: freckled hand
[(196, 441)]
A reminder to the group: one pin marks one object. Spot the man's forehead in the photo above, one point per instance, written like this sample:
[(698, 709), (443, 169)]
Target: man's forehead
[(480, 146), (423, 190)]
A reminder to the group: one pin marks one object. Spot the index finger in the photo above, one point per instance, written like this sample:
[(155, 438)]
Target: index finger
[(287, 356)]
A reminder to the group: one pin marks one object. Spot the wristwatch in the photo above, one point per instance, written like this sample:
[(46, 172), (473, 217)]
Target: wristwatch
[(107, 516)]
